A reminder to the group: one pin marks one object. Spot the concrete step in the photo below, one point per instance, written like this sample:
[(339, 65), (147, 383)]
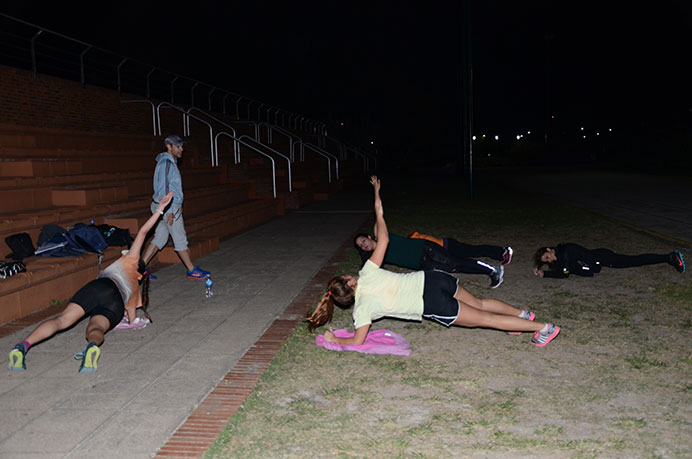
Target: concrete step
[(45, 167), (88, 195), (48, 280)]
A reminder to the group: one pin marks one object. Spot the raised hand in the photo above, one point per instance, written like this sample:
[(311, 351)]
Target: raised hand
[(163, 203), (375, 182)]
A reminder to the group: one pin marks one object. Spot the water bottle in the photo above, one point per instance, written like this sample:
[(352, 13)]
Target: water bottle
[(208, 291)]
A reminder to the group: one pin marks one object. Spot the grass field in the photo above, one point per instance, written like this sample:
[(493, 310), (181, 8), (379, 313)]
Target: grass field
[(615, 383)]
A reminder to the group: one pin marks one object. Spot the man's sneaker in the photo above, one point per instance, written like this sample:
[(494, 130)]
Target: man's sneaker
[(496, 277), (507, 255), (541, 339), (528, 315), (677, 259), (18, 358), (198, 273), (89, 357)]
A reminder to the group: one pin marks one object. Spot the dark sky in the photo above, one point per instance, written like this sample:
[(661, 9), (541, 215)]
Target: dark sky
[(392, 68)]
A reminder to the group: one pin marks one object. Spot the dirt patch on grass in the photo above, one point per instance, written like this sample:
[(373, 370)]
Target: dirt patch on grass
[(615, 383)]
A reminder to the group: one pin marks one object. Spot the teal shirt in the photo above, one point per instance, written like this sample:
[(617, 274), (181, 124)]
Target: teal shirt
[(404, 252)]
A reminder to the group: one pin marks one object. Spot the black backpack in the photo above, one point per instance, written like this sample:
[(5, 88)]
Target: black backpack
[(21, 246), (115, 236)]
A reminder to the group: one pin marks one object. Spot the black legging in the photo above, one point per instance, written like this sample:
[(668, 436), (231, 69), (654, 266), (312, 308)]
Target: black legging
[(461, 250), (436, 257), (610, 259)]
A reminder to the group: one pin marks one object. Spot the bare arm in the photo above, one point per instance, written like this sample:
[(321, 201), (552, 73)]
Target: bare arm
[(131, 314), (381, 232), (357, 339), (149, 224)]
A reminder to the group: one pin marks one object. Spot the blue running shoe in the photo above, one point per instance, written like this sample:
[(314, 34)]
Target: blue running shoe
[(198, 273)]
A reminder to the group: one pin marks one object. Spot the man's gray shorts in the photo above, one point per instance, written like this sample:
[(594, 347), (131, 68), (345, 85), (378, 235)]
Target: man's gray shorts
[(175, 231)]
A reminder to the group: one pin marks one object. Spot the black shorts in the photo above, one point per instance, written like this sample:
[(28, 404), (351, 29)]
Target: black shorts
[(439, 303), (101, 297)]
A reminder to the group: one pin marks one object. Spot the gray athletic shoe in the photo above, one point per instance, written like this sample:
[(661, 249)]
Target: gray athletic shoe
[(497, 276), (541, 339)]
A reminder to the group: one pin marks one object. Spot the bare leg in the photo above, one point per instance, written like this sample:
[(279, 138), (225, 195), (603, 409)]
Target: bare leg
[(486, 304), (68, 317), (149, 253), (472, 317), (97, 328), (185, 258)]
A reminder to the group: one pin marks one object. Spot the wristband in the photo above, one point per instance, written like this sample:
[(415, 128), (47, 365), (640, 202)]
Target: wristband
[(160, 211)]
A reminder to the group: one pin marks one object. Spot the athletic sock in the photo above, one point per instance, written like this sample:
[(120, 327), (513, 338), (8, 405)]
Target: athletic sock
[(544, 329), (26, 344)]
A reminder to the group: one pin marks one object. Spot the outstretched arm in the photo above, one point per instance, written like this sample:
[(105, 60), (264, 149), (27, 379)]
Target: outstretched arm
[(136, 247), (381, 232), (357, 339)]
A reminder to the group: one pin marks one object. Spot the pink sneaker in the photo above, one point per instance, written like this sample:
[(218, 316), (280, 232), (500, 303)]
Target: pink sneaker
[(126, 325), (541, 339)]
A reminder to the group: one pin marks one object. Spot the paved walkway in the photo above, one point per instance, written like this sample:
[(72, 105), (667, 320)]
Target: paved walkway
[(150, 380)]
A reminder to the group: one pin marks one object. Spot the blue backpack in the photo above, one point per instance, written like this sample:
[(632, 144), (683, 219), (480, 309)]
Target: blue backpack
[(74, 242)]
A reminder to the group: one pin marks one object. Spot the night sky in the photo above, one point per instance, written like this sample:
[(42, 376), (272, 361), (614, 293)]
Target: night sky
[(392, 69)]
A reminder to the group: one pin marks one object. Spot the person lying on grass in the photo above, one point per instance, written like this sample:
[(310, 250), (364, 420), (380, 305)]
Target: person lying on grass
[(104, 300), (568, 258), (434, 295), (424, 252)]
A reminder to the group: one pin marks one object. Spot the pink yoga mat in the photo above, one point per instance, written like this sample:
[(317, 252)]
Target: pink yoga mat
[(377, 342)]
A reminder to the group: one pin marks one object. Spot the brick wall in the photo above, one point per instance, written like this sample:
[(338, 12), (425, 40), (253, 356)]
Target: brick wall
[(49, 102)]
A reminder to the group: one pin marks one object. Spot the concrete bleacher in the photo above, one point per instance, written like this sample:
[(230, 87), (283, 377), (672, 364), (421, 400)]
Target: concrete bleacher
[(107, 179), (71, 153)]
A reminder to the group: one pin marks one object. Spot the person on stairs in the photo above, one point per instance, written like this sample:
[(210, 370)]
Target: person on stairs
[(167, 178)]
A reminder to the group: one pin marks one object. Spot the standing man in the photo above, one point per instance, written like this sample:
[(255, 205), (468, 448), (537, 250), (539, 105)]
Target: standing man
[(167, 178)]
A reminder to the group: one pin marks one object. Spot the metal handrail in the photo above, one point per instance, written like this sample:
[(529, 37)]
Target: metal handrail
[(235, 144), (344, 146), (235, 140), (288, 161), (271, 128), (254, 125), (326, 155), (122, 60), (153, 112), (366, 158), (211, 131)]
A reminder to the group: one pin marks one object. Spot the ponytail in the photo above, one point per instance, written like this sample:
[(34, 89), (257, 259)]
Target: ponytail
[(337, 293), (145, 295)]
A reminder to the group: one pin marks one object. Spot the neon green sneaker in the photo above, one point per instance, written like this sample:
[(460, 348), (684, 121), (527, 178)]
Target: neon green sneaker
[(89, 357), (18, 358)]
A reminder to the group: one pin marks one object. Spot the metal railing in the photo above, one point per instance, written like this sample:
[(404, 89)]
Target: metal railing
[(214, 159), (256, 150), (224, 124), (271, 129), (327, 155), (288, 161), (153, 110), (27, 45)]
